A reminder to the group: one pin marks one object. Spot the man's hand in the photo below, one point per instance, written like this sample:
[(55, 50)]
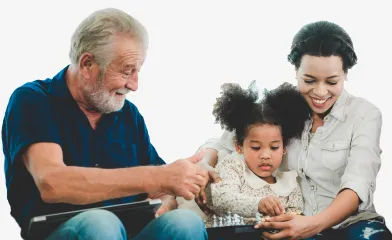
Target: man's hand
[(271, 206), (290, 226), (201, 198), (183, 177)]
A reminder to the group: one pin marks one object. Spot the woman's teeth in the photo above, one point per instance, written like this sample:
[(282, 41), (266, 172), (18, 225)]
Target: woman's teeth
[(319, 101)]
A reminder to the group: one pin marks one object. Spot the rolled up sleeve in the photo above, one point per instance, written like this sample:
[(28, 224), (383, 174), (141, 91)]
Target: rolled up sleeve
[(212, 143), (364, 160), (225, 143)]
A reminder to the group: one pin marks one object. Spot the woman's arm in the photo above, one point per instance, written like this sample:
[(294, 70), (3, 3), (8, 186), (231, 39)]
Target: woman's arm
[(298, 227), (223, 145), (210, 157), (357, 183), (345, 204)]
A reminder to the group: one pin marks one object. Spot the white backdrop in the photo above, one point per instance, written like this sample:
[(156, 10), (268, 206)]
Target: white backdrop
[(194, 48)]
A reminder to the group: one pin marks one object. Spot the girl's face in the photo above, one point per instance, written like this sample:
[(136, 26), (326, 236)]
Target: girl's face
[(263, 150), (320, 81)]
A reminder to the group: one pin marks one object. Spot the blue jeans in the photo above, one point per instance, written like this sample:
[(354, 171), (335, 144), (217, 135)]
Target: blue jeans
[(374, 229), (102, 224)]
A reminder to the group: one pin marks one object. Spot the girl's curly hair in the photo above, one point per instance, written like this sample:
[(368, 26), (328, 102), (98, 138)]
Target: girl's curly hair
[(240, 109)]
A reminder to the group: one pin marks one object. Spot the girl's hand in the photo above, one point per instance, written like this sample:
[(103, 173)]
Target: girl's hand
[(271, 206)]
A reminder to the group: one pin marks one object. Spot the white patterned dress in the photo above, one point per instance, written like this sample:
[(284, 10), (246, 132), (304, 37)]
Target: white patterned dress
[(240, 190)]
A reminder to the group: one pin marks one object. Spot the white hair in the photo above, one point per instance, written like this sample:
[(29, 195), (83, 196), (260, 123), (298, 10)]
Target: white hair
[(94, 35)]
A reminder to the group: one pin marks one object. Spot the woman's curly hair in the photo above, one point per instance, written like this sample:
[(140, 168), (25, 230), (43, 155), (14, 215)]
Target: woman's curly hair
[(240, 109), (324, 39)]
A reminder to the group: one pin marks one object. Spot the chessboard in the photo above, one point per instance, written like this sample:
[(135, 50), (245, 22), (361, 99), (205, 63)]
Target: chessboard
[(232, 226)]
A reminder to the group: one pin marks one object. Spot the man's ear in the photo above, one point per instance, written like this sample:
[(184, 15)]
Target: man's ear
[(85, 60), (86, 63)]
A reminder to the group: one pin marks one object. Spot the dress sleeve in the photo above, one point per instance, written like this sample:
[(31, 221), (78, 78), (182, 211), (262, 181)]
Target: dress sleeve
[(227, 195)]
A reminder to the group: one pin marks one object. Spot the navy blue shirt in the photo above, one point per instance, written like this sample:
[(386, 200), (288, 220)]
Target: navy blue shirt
[(44, 111)]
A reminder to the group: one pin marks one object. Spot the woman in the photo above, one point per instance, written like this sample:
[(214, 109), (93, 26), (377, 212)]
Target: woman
[(338, 156)]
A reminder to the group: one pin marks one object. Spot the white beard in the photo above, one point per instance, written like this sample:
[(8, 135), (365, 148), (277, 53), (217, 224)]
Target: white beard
[(101, 100)]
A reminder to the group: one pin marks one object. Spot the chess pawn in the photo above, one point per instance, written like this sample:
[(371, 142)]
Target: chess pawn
[(214, 224), (242, 221), (233, 221), (220, 222), (236, 219), (259, 217), (228, 221)]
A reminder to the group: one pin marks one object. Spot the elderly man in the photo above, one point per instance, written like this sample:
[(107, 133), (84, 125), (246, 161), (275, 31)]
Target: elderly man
[(74, 141)]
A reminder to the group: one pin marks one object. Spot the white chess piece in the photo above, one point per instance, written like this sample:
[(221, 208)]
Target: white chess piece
[(236, 219), (220, 222), (242, 221), (214, 222), (233, 221), (228, 221), (259, 217)]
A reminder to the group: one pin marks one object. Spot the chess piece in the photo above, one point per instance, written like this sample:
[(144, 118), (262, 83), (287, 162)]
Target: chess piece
[(228, 221), (214, 222), (242, 221), (236, 219), (233, 222), (259, 217), (220, 222)]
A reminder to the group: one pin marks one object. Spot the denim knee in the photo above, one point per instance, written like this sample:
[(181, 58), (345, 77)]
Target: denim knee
[(183, 224), (99, 224)]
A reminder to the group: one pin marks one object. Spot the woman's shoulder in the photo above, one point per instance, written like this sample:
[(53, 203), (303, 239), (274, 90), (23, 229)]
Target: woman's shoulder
[(359, 106)]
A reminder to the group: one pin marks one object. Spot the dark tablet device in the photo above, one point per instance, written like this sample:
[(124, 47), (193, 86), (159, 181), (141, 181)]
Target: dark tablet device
[(134, 216)]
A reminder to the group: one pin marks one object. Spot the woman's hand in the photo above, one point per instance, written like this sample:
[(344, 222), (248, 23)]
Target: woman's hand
[(271, 206), (168, 203), (201, 198), (290, 226)]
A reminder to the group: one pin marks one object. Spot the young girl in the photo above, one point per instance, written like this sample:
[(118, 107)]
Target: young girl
[(251, 182)]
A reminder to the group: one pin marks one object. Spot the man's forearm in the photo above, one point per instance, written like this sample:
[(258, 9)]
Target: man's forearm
[(345, 204), (81, 185)]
